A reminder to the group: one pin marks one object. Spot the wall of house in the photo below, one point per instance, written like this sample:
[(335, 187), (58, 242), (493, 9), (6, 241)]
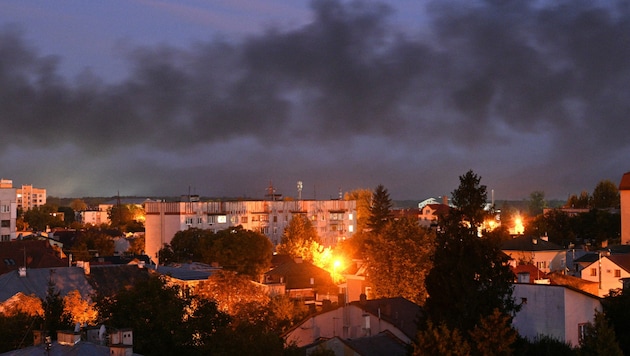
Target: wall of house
[(552, 310), (624, 194), (545, 261), (610, 273)]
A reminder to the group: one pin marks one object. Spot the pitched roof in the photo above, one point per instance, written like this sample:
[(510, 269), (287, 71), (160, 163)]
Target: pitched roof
[(622, 261), (35, 253), (381, 344), (66, 279), (298, 275), (625, 182), (529, 243), (398, 311)]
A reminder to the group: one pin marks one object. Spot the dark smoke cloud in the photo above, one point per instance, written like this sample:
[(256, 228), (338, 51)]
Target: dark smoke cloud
[(533, 96)]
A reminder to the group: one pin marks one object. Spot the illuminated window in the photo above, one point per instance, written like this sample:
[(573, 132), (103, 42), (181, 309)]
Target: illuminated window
[(350, 228), (221, 219), (350, 216)]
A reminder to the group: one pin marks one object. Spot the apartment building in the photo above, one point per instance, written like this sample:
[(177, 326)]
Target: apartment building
[(29, 197), (8, 210), (334, 220)]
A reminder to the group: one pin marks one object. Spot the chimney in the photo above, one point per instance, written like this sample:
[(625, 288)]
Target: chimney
[(445, 199), (121, 342)]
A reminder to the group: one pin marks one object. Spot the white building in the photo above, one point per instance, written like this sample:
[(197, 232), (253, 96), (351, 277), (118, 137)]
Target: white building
[(334, 220), (8, 210), (553, 310)]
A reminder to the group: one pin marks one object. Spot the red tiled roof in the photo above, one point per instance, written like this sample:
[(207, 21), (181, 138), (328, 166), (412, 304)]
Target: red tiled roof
[(36, 254)]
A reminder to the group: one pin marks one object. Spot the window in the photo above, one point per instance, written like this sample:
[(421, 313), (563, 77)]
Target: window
[(350, 228), (221, 219), (199, 220), (5, 238), (582, 331), (5, 209), (211, 219), (593, 272), (541, 265), (189, 221), (350, 216), (5, 223), (275, 218), (618, 273), (243, 219)]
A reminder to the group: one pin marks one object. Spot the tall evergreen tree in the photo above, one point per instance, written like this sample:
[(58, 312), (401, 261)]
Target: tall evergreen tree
[(380, 209), (470, 275), (599, 338)]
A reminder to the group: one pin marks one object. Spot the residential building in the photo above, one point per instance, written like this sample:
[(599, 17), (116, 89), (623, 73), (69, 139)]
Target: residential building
[(624, 194), (8, 210), (29, 197), (606, 269), (360, 319), (303, 281), (334, 220), (545, 255), (558, 311)]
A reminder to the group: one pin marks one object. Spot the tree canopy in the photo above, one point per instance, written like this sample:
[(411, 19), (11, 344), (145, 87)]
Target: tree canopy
[(399, 259), (299, 238), (380, 209), (470, 277)]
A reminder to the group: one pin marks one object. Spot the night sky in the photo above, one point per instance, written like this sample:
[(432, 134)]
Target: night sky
[(220, 98)]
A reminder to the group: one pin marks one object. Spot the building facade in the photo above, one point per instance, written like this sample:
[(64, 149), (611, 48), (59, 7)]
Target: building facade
[(8, 210), (334, 220), (29, 197), (624, 194)]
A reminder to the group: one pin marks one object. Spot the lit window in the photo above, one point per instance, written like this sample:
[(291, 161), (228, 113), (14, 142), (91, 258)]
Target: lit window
[(221, 219)]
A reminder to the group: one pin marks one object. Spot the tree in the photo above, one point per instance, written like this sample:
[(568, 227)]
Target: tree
[(42, 217), (90, 241), (605, 195), (243, 251), (54, 316), (299, 238), (494, 335), (470, 275), (399, 259), (470, 199), (126, 217), (157, 314), (78, 309), (380, 209), (440, 340), (537, 203), (363, 197), (599, 338), (78, 205), (617, 310), (583, 201), (231, 291)]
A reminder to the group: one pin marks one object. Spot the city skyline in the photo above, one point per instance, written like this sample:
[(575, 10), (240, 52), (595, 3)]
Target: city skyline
[(145, 98)]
